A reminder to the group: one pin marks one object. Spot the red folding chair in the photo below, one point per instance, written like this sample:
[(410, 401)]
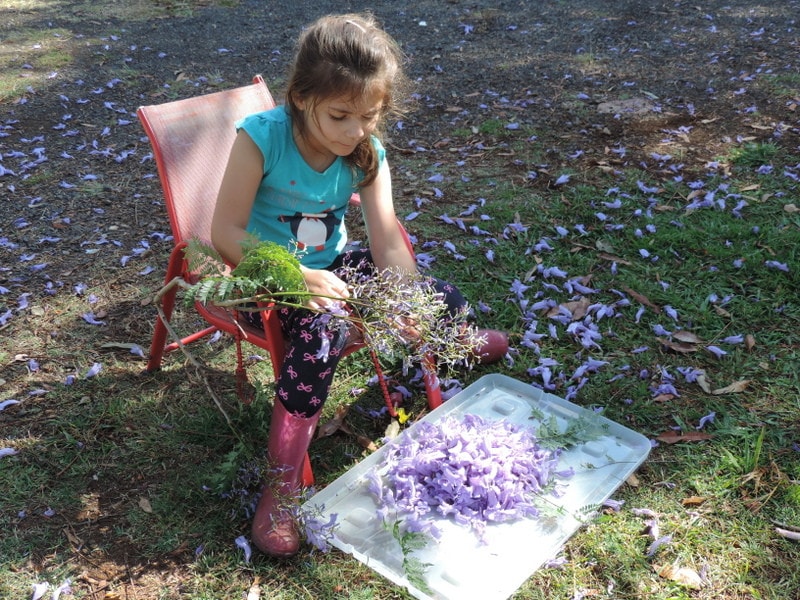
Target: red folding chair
[(191, 141)]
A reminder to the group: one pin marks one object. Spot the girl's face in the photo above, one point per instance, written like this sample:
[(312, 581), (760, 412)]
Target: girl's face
[(335, 126)]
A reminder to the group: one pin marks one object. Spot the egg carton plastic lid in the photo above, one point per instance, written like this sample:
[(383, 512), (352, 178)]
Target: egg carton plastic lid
[(462, 567)]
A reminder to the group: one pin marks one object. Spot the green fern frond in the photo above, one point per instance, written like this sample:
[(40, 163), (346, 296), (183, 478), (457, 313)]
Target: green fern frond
[(204, 259)]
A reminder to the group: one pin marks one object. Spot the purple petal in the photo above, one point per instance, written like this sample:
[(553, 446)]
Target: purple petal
[(94, 370), (242, 543)]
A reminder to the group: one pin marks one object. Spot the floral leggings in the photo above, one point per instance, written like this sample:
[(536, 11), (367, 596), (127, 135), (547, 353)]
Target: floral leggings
[(307, 374)]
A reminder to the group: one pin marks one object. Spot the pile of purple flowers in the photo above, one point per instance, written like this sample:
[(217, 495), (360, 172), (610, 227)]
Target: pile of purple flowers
[(471, 469)]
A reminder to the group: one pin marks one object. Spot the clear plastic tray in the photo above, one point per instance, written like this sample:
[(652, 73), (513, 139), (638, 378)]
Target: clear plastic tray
[(461, 567)]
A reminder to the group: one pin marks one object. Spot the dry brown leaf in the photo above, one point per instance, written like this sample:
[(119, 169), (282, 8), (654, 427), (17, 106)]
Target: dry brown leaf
[(681, 347), (577, 308), (673, 437), (334, 424), (734, 388), (73, 539), (687, 336), (749, 342), (791, 208), (254, 593), (664, 398), (362, 440), (641, 299), (693, 501), (144, 504), (722, 312), (392, 429), (703, 382), (683, 575), (632, 480)]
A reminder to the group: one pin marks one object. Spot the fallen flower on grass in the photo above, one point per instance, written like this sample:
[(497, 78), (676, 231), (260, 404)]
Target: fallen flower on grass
[(241, 542), (93, 371), (661, 541), (709, 418)]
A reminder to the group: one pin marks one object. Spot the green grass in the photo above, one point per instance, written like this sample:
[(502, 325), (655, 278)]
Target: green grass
[(125, 438)]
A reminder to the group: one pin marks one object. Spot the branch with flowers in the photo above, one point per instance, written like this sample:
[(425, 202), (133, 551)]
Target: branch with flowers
[(399, 316)]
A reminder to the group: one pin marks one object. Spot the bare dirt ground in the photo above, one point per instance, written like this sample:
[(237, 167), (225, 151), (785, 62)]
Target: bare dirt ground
[(603, 84)]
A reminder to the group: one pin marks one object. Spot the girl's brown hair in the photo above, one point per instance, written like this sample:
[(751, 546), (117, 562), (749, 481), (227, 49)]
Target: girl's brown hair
[(346, 55)]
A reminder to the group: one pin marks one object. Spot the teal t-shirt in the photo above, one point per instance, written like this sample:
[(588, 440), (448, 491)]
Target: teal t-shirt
[(296, 205)]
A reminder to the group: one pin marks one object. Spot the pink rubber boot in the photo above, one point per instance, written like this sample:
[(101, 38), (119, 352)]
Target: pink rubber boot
[(493, 349), (274, 529)]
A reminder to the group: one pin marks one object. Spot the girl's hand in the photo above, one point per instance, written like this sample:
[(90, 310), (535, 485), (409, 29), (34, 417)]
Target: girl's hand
[(326, 288)]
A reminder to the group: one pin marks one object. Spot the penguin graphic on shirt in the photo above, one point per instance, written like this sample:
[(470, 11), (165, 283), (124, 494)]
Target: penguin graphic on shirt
[(312, 230)]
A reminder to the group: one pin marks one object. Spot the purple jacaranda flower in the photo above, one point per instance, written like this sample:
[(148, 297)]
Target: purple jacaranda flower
[(519, 288), (671, 312), (242, 543), (562, 179), (716, 351), (555, 563), (93, 370), (658, 329), (733, 339), (614, 505), (653, 548), (90, 318), (709, 418), (319, 533), (7, 452), (6, 403), (64, 588), (774, 264)]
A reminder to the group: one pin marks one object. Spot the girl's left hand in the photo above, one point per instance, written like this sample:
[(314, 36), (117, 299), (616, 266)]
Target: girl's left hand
[(326, 287)]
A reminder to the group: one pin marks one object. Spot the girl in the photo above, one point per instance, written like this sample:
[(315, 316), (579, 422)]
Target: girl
[(290, 176)]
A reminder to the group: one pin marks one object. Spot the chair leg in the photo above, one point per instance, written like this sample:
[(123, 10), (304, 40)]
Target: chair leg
[(433, 389), (167, 305)]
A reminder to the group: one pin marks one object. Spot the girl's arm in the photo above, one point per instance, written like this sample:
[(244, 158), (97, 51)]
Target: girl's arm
[(232, 213), (236, 196), (386, 241)]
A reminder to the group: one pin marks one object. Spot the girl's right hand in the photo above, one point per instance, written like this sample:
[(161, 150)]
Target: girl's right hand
[(326, 288)]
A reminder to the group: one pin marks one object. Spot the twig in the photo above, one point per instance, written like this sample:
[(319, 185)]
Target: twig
[(161, 315)]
